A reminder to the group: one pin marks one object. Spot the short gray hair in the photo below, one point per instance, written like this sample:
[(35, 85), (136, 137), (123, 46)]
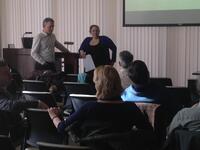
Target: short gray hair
[(125, 58), (48, 19)]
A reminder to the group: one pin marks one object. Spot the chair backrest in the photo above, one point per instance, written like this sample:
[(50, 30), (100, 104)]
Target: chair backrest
[(183, 139), (45, 97), (158, 116), (71, 78), (192, 85), (134, 139), (51, 146), (78, 100), (5, 143), (34, 85), (149, 110), (179, 96), (161, 81), (78, 88), (41, 128)]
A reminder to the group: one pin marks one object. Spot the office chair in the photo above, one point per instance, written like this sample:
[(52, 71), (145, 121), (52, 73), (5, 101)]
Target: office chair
[(161, 81), (45, 97), (41, 128)]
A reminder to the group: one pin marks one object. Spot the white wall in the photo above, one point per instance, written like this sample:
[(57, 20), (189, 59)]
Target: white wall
[(72, 19), (168, 51)]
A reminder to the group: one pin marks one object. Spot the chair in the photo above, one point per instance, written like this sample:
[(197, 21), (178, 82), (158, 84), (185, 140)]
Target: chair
[(41, 128), (192, 86), (179, 97), (79, 88), (45, 97), (78, 100), (96, 139), (34, 85), (161, 81), (71, 77), (11, 125), (159, 118), (182, 139), (51, 146), (5, 143)]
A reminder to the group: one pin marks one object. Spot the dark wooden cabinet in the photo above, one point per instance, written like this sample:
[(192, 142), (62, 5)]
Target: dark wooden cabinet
[(21, 60)]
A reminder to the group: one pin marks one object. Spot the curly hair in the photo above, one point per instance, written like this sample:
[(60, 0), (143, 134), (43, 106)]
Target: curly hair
[(107, 82)]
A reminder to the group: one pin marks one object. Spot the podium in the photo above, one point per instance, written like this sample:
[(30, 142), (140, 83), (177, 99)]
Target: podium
[(21, 60), (68, 61)]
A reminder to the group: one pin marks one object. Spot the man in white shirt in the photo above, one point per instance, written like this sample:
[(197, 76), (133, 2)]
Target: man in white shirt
[(43, 47)]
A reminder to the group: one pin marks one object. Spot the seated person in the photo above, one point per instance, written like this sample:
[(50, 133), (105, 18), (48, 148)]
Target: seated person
[(11, 102), (125, 59), (6, 98), (109, 109), (188, 118), (142, 90)]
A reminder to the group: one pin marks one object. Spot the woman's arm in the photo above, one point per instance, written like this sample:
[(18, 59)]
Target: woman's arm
[(60, 124), (84, 44), (54, 113), (110, 44)]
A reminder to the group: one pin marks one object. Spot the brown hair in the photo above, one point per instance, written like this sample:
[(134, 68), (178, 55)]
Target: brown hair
[(107, 82), (94, 25)]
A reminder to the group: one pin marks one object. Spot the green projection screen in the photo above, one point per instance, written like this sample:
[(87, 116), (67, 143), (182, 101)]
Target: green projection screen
[(161, 12)]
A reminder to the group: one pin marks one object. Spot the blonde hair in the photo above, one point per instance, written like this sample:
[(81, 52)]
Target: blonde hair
[(107, 82)]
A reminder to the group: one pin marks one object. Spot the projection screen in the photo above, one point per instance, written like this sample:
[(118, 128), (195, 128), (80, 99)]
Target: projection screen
[(161, 12)]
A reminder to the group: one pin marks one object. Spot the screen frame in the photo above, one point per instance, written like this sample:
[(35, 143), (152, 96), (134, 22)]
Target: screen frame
[(124, 24)]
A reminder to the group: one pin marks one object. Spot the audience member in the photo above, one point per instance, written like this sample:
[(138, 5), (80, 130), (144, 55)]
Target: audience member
[(188, 118), (141, 89), (43, 47), (7, 102), (13, 102), (108, 110), (125, 59)]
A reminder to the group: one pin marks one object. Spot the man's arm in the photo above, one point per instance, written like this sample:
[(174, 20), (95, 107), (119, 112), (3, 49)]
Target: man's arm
[(62, 48), (176, 121), (35, 50)]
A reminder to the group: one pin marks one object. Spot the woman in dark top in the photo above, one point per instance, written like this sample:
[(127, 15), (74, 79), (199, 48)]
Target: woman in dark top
[(109, 109), (98, 47)]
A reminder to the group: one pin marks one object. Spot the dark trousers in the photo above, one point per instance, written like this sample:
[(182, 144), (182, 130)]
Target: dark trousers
[(48, 66)]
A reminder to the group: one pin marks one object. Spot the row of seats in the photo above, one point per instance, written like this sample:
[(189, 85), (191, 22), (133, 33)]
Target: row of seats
[(34, 133)]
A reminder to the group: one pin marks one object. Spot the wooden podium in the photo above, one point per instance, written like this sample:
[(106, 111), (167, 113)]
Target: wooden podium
[(21, 60)]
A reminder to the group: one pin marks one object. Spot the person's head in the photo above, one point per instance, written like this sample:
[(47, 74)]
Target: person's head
[(138, 73), (48, 25), (107, 82), (125, 58), (16, 85), (5, 75), (94, 30)]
